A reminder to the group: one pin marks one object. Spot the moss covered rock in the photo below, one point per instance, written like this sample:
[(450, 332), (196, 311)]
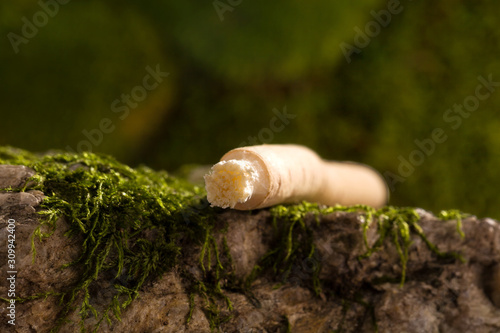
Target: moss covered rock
[(100, 245)]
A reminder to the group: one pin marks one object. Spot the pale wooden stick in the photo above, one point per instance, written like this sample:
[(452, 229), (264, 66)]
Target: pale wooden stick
[(262, 176)]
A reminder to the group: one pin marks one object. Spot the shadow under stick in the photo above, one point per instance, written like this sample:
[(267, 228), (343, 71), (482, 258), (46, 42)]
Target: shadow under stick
[(261, 176)]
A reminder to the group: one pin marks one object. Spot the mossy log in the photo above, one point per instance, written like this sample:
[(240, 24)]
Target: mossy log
[(299, 268)]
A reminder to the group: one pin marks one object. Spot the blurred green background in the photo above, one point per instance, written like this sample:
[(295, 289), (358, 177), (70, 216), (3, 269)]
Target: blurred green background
[(78, 76)]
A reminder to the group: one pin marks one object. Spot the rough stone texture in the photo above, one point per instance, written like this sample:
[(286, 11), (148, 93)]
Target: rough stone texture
[(14, 176), (438, 296)]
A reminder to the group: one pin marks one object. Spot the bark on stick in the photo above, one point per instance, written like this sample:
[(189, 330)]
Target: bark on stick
[(261, 176)]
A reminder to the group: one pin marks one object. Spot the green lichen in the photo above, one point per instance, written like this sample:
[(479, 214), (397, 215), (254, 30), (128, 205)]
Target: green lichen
[(134, 222)]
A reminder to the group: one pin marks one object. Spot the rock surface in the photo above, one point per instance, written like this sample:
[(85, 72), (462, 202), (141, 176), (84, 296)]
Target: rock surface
[(439, 295)]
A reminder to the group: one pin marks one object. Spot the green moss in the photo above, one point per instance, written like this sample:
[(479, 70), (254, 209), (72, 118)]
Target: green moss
[(131, 220), (345, 308), (134, 223), (296, 242)]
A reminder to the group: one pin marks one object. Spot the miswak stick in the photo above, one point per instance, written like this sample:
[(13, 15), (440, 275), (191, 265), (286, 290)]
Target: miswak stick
[(261, 176)]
